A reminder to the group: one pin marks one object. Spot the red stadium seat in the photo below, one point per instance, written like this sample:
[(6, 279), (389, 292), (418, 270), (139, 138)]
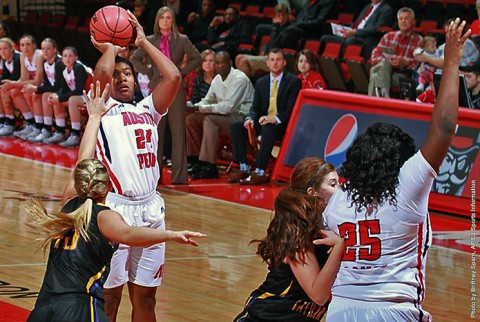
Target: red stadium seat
[(312, 45), (332, 69)]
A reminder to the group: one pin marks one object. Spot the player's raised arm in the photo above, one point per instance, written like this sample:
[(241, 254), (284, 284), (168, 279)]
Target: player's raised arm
[(106, 64), (96, 109), (164, 93), (445, 112)]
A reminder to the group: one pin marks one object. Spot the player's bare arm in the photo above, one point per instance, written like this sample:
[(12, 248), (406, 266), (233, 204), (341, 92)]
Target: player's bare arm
[(96, 109), (445, 111)]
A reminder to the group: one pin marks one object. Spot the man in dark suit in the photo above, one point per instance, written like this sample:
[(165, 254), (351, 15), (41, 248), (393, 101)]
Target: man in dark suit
[(275, 95), (226, 33), (365, 30)]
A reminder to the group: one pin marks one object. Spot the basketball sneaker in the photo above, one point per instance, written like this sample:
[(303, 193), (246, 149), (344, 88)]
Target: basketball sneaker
[(72, 141), (7, 130), (32, 134), (25, 131), (57, 137), (43, 135)]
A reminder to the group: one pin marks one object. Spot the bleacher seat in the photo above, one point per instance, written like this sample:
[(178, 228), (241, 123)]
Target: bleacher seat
[(312, 45), (345, 19), (249, 48), (54, 27), (357, 68), (331, 67), (69, 31), (38, 27), (268, 12), (19, 28)]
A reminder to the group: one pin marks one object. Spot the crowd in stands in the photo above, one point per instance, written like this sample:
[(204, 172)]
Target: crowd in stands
[(239, 60)]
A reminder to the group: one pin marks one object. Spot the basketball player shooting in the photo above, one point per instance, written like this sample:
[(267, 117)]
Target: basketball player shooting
[(127, 145)]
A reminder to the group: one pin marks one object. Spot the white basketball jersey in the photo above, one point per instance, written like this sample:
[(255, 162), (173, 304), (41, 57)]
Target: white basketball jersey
[(32, 65), (69, 77), (49, 70), (127, 144), (385, 251)]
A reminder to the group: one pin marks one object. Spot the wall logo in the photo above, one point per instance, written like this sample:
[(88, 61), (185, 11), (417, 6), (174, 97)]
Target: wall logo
[(341, 136)]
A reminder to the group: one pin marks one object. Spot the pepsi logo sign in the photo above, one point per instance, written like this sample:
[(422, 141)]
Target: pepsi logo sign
[(340, 138)]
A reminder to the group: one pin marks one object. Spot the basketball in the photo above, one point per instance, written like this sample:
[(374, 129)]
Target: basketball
[(111, 24)]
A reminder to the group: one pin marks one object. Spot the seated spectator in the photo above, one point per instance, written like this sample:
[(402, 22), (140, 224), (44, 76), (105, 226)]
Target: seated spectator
[(226, 33), (251, 64), (280, 21), (204, 75), (309, 22), (197, 24), (470, 54), (69, 95), (275, 95), (31, 72), (10, 71), (472, 79), (307, 65), (52, 73), (394, 55), (228, 100), (428, 47), (365, 31)]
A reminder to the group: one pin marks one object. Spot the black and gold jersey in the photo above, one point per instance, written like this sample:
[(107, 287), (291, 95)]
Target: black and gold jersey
[(77, 266), (281, 298)]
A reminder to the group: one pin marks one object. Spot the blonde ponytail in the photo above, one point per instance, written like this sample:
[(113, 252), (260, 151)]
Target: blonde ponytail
[(91, 183)]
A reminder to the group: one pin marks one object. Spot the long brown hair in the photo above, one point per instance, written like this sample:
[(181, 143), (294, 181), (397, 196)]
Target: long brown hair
[(156, 27), (91, 182), (297, 216)]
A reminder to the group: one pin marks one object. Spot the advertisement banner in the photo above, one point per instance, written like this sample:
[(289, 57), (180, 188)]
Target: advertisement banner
[(325, 123)]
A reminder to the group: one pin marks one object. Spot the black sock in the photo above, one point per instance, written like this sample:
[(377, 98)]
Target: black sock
[(60, 129), (30, 121), (9, 121)]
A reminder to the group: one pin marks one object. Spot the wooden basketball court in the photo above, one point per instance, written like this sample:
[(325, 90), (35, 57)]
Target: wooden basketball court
[(209, 283)]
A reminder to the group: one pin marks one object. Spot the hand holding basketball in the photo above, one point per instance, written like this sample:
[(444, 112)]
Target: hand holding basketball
[(140, 34)]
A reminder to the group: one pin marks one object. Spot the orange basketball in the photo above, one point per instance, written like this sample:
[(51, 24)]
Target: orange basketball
[(111, 24)]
